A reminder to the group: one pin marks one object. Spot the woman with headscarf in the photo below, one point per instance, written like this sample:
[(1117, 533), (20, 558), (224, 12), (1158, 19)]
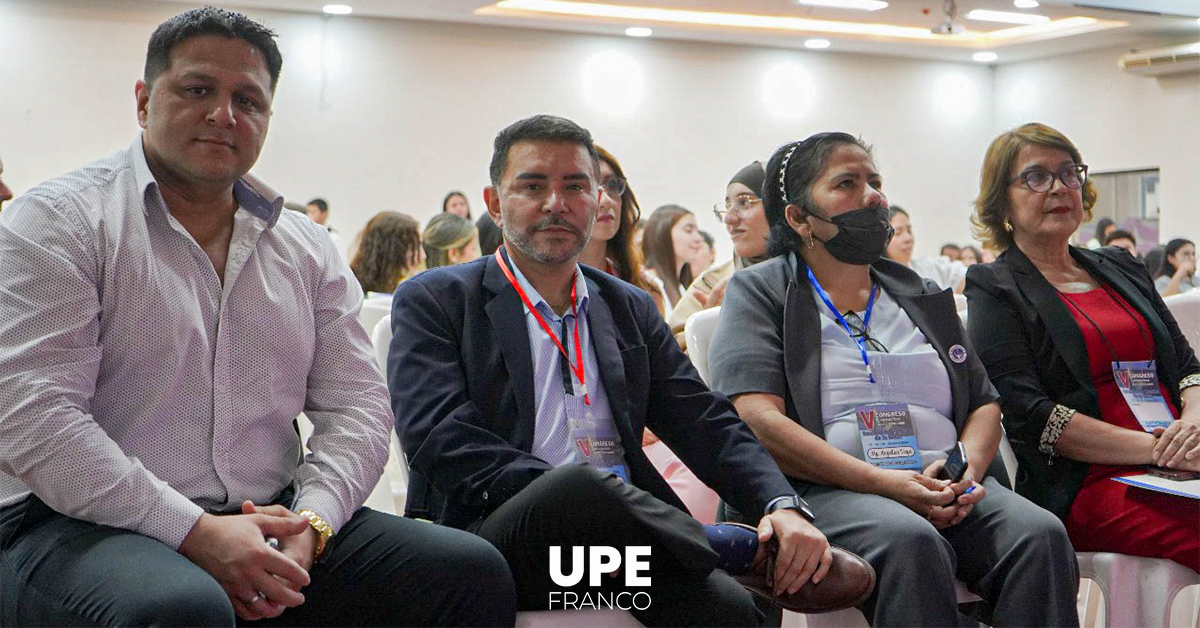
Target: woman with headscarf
[(449, 239), (742, 213)]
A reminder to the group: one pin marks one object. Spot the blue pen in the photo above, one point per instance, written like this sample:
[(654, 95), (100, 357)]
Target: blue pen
[(968, 491)]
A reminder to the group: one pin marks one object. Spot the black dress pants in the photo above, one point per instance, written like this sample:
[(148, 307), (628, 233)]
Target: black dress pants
[(577, 505), (377, 570)]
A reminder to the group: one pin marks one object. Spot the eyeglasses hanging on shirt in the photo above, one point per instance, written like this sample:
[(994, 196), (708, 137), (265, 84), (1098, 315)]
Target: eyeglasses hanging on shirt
[(860, 330)]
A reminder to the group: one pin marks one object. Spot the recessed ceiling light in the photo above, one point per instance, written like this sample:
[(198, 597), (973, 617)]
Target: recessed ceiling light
[(1026, 4), (984, 57), (816, 44), (337, 9), (984, 15), (638, 31), (862, 5)]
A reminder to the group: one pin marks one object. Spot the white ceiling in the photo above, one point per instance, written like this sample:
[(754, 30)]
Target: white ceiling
[(1141, 27)]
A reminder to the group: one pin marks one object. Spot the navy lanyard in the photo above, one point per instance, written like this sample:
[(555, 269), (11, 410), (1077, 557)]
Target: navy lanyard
[(862, 345)]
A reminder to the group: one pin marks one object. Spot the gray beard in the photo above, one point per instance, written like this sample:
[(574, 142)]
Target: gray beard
[(523, 243)]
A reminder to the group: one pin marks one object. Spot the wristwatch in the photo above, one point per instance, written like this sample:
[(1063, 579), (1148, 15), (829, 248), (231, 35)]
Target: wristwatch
[(323, 529), (792, 502)]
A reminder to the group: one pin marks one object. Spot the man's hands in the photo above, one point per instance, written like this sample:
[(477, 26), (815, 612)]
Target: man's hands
[(803, 554), (232, 549), (953, 513), (942, 503)]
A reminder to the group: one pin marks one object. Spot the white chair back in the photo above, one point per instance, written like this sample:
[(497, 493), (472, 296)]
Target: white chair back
[(1186, 310), (396, 472), (381, 338), (698, 331), (373, 309)]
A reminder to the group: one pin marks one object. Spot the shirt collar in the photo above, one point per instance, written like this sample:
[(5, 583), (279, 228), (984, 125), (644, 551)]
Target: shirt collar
[(252, 194), (581, 290)]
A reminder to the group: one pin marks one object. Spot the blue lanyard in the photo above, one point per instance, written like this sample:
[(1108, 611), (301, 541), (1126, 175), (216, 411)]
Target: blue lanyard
[(862, 345)]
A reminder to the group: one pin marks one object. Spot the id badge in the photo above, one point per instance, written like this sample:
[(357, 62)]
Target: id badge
[(889, 439), (1138, 382), (596, 442)]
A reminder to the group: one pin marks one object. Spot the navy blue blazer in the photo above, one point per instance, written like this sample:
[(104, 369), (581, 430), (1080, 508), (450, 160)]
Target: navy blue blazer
[(460, 372)]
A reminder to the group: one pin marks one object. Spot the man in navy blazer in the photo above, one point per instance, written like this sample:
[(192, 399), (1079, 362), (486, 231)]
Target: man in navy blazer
[(494, 362)]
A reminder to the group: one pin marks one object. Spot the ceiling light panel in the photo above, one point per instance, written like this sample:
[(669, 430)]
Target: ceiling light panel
[(642, 15), (1006, 17), (861, 5), (1026, 4), (337, 9)]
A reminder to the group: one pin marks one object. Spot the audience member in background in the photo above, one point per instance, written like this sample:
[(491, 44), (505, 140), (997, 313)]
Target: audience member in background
[(318, 210), (671, 242), (706, 257), (498, 416), (1063, 331), (490, 236), (449, 239), (296, 207), (742, 214), (1103, 228), (6, 192), (456, 203), (611, 246), (1123, 239), (389, 251), (811, 346), (1178, 272), (1153, 261), (148, 386), (944, 272), (950, 251), (970, 255)]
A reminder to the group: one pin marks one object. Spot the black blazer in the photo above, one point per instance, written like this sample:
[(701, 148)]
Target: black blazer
[(460, 374), (1037, 358), (775, 296)]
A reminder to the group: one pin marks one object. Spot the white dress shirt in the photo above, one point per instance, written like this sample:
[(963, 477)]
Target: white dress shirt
[(137, 391)]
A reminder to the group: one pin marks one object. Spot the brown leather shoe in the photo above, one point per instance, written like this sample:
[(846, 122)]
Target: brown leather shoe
[(850, 581)]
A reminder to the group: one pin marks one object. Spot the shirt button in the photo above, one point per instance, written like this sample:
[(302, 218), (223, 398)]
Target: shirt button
[(485, 495)]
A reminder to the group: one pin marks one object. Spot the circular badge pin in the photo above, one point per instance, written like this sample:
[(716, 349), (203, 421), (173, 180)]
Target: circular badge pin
[(958, 354)]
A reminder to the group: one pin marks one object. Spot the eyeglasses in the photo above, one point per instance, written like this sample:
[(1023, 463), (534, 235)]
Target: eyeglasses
[(1041, 180), (743, 203), (615, 187), (861, 331)]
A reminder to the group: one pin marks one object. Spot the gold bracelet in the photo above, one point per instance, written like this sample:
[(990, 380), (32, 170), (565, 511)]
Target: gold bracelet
[(323, 529)]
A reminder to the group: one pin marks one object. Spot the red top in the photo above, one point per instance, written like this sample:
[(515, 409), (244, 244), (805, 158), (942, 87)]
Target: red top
[(1107, 515)]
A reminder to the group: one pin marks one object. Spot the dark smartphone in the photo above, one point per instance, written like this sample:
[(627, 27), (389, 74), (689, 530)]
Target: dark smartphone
[(1172, 474), (956, 465)]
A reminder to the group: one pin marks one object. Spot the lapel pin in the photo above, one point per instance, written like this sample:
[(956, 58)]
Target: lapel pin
[(958, 354)]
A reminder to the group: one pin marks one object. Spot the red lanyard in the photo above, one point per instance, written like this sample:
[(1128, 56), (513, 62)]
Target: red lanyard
[(577, 368)]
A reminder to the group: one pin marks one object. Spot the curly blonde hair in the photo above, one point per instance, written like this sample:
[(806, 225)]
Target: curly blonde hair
[(992, 206)]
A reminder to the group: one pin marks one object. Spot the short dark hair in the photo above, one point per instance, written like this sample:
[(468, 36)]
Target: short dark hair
[(321, 204), (209, 20), (1119, 234), (808, 158), (539, 127)]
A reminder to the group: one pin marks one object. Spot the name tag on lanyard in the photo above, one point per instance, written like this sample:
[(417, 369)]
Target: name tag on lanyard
[(1138, 382), (889, 438), (596, 442)]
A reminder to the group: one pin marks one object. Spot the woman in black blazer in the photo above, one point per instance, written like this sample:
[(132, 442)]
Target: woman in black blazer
[(1061, 331)]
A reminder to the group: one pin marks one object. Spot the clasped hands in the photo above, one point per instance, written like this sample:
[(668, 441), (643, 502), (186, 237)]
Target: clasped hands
[(1178, 446), (260, 581), (942, 502)]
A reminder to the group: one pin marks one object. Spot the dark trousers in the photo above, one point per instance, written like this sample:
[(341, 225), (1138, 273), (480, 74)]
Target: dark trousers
[(576, 505), (377, 570), (1012, 553)]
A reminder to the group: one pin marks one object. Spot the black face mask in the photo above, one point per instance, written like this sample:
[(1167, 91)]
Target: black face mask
[(862, 237)]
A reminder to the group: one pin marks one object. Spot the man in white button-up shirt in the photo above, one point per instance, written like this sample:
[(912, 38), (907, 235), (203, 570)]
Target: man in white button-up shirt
[(162, 324)]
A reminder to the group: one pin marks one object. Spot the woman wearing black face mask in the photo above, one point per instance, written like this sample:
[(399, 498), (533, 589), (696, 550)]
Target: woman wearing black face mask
[(827, 350)]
